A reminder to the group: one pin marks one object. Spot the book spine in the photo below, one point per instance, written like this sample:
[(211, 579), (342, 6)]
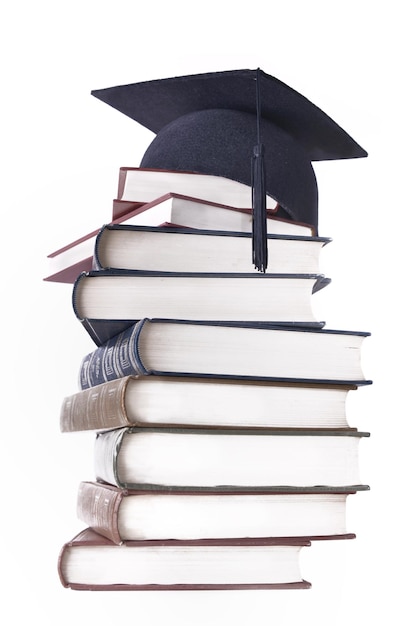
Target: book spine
[(121, 182), (96, 265), (117, 358), (106, 450), (97, 408), (98, 507)]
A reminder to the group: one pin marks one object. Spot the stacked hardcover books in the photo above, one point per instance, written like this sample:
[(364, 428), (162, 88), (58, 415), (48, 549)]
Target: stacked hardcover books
[(217, 399)]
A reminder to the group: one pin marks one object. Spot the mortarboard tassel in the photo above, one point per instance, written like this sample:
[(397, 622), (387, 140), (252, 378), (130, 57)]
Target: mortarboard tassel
[(259, 197)]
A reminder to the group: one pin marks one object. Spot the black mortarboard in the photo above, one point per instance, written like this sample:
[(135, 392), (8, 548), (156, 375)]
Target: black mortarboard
[(210, 124)]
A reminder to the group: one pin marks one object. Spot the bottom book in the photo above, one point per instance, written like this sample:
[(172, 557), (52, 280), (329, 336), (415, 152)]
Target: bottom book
[(92, 562)]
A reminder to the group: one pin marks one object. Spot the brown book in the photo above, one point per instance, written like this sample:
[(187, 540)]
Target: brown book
[(92, 562), (132, 515), (191, 401)]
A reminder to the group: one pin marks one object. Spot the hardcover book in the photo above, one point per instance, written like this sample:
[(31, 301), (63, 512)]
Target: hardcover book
[(195, 212), (140, 184), (250, 297), (286, 459), (157, 346), (207, 401), (92, 562), (132, 515), (157, 249)]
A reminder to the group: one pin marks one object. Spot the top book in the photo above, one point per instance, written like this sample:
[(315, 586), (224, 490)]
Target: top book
[(140, 184)]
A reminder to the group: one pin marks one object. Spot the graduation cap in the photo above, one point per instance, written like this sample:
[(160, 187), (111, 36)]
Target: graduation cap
[(241, 124)]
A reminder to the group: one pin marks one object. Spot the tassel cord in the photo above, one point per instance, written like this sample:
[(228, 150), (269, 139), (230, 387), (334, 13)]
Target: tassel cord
[(259, 240)]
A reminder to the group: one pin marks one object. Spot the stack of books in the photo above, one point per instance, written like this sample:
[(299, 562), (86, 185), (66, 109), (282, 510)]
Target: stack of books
[(216, 398)]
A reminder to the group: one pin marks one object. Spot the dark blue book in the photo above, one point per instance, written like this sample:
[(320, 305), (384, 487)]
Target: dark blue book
[(153, 248), (196, 348)]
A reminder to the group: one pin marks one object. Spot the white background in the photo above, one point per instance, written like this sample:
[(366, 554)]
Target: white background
[(61, 150)]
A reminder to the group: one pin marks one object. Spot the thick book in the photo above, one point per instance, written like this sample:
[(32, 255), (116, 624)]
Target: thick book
[(245, 297), (202, 459), (66, 263), (132, 515), (174, 347), (180, 250), (189, 401), (139, 184), (91, 562)]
